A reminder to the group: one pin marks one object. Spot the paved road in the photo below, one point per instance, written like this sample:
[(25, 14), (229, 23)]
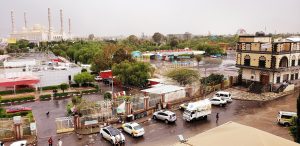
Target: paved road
[(256, 114)]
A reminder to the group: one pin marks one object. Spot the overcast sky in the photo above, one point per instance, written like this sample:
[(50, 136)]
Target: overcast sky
[(124, 17)]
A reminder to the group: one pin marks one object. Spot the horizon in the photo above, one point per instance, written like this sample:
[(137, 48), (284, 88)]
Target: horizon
[(124, 18)]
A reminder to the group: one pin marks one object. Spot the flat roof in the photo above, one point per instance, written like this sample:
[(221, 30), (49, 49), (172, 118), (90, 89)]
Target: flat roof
[(163, 89)]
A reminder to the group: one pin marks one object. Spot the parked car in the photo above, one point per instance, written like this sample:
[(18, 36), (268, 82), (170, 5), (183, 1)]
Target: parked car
[(165, 115), (218, 101), (17, 109), (112, 134), (98, 78), (224, 95), (134, 129), (183, 106), (19, 143), (285, 118)]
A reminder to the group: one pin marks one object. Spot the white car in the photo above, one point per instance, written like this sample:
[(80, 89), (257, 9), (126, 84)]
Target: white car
[(285, 118), (224, 95), (134, 129), (112, 134), (19, 143), (97, 78), (218, 101), (165, 115)]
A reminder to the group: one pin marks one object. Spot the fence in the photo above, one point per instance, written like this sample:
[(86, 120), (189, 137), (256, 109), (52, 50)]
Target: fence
[(6, 128), (138, 106), (64, 124), (153, 102)]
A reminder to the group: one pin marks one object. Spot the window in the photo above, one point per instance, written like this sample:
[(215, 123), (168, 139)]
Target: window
[(292, 76), (299, 61), (296, 76), (294, 60), (262, 62), (278, 80), (283, 62), (247, 60)]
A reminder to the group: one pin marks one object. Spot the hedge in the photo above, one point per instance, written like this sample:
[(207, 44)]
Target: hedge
[(49, 87), (89, 91), (25, 90), (3, 113), (45, 97), (17, 99)]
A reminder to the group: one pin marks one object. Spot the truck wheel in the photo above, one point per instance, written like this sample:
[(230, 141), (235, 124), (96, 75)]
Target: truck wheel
[(205, 117), (166, 121)]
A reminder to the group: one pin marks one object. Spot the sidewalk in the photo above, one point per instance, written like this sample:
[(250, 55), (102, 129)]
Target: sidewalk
[(96, 130)]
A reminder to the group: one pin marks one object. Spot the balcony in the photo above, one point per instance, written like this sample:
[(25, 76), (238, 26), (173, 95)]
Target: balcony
[(280, 69)]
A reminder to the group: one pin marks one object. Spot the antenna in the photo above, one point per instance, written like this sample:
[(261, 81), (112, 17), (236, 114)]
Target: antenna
[(25, 20), (61, 22)]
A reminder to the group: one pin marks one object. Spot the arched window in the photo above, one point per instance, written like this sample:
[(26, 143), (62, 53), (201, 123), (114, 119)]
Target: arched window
[(262, 62), (299, 60), (284, 62), (247, 60), (294, 60)]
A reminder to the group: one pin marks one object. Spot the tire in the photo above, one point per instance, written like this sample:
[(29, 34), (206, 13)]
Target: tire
[(101, 135), (166, 121), (205, 117), (154, 117), (286, 124), (132, 134)]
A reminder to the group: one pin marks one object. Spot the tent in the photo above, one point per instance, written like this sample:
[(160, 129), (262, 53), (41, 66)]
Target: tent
[(234, 134)]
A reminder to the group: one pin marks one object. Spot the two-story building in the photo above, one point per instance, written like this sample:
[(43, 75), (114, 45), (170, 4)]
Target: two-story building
[(265, 62)]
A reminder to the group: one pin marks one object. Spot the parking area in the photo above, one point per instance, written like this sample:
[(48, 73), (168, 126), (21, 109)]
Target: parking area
[(261, 115)]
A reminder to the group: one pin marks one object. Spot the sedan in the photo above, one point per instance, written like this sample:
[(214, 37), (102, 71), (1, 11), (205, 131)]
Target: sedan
[(112, 134), (134, 129), (218, 101)]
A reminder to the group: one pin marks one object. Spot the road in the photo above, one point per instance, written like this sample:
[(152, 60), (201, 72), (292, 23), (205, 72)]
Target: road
[(261, 115)]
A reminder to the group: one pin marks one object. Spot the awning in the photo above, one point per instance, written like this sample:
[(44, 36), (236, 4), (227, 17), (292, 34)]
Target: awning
[(23, 80)]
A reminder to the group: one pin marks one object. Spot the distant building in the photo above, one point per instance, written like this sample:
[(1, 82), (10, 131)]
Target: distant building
[(185, 36), (266, 63)]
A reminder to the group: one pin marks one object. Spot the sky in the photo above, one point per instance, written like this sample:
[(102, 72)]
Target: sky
[(126, 17)]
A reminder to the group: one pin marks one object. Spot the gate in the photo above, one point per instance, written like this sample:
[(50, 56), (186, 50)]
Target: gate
[(64, 124)]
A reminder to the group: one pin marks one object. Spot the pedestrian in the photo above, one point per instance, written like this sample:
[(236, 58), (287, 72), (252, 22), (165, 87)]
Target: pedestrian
[(217, 118), (59, 142), (50, 141)]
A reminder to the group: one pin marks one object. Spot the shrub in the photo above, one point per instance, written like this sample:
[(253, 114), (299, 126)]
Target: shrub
[(50, 87), (45, 97), (63, 87), (107, 96), (24, 90), (17, 99), (60, 94), (89, 91)]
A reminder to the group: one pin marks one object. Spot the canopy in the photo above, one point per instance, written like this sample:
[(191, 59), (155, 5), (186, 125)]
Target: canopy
[(163, 89), (234, 134), (23, 80)]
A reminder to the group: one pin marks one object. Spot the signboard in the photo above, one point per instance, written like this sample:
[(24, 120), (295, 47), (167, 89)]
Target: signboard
[(32, 126), (17, 119), (86, 123)]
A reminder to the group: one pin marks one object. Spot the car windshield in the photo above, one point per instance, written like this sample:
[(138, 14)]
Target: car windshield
[(137, 127)]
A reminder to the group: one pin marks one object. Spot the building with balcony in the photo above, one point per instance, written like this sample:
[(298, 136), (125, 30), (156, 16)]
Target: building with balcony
[(266, 62)]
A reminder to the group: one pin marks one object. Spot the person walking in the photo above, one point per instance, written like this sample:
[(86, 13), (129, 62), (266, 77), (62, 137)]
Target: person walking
[(59, 142), (217, 118), (50, 141)]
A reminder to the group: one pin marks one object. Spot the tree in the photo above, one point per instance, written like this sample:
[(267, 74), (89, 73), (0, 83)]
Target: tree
[(121, 55), (63, 87), (133, 40), (298, 119), (83, 78), (183, 76), (174, 42), (132, 73), (157, 37), (91, 37), (83, 70), (107, 96), (198, 59), (213, 79)]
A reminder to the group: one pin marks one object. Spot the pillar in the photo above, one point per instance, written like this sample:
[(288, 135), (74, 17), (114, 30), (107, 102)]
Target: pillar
[(230, 81), (146, 102), (77, 124), (18, 131)]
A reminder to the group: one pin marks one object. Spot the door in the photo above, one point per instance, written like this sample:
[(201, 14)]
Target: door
[(128, 129), (106, 134), (264, 79)]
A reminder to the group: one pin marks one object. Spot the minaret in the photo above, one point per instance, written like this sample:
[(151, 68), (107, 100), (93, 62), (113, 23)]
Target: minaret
[(61, 22), (12, 22), (50, 26), (69, 26), (25, 20)]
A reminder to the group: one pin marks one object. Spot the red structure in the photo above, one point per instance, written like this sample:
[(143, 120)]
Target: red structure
[(24, 80), (107, 74)]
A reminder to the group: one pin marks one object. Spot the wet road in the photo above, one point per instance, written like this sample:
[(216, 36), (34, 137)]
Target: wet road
[(252, 113)]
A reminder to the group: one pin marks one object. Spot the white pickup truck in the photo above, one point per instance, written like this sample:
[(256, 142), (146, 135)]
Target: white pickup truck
[(197, 110)]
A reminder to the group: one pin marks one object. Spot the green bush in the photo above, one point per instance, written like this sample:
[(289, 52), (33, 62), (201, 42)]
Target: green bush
[(25, 90), (3, 114), (49, 87), (107, 96), (60, 94), (89, 91), (45, 97), (17, 99)]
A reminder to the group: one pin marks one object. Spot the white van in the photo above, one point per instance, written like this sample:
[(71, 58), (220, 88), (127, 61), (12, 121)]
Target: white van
[(224, 95), (285, 118)]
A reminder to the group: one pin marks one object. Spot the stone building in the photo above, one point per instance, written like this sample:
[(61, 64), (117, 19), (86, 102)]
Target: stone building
[(266, 63)]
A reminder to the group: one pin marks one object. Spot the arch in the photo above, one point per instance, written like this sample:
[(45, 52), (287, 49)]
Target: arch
[(262, 62), (247, 60), (284, 62)]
